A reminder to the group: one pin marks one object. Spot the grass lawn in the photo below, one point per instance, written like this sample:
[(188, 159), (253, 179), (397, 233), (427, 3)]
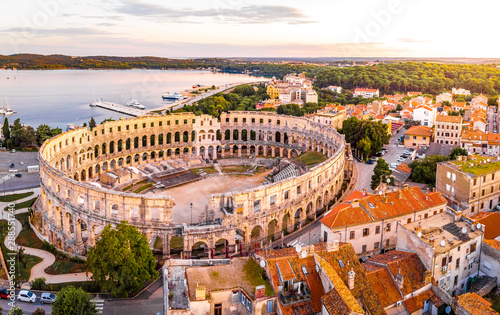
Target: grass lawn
[(257, 276), (176, 242), (311, 158), (142, 188), (208, 170), (22, 205), (236, 168), (63, 266), (22, 273), (134, 185), (15, 197)]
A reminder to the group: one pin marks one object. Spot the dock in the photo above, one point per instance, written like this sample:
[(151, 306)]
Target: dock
[(123, 109)]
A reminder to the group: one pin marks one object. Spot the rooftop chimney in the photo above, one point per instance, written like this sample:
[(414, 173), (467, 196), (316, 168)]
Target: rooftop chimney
[(260, 291), (405, 187), (400, 193), (350, 280), (200, 293), (332, 246), (399, 280), (355, 203)]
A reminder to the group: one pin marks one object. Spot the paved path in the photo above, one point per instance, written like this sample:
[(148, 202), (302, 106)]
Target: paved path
[(38, 270)]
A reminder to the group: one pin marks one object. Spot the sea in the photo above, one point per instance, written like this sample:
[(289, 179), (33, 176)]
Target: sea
[(61, 97)]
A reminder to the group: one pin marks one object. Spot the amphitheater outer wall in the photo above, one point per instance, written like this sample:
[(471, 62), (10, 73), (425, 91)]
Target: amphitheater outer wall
[(72, 212)]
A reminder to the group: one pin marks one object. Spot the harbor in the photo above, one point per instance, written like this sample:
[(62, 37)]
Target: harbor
[(123, 109)]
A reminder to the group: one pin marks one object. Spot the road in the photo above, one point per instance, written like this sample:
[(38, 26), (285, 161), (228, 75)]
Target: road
[(151, 306), (28, 308), (182, 103), (492, 125), (365, 171)]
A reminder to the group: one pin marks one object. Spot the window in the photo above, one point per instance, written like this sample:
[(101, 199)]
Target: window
[(376, 245), (227, 120), (160, 123), (135, 126), (253, 120), (218, 309), (119, 128), (408, 221), (455, 281), (244, 120), (387, 243), (377, 229), (492, 176), (176, 121), (143, 125), (272, 200), (472, 248), (168, 122), (363, 248), (298, 190), (185, 121), (444, 261), (236, 120), (270, 306), (457, 263), (482, 193), (152, 124), (366, 232), (286, 194), (426, 215), (414, 137), (193, 121), (102, 131), (475, 181), (474, 195), (388, 227), (448, 174), (261, 121), (352, 234), (325, 236)]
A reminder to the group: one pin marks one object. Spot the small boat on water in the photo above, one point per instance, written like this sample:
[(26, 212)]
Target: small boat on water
[(136, 104), (173, 97), (5, 110)]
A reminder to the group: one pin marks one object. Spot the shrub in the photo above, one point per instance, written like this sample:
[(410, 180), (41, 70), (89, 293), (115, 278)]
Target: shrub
[(37, 283), (16, 310), (38, 311)]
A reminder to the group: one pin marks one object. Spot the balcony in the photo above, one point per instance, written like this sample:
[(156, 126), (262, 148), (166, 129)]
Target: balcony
[(292, 296)]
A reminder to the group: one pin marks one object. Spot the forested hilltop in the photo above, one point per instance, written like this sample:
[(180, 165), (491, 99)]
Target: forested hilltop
[(429, 78), (48, 62)]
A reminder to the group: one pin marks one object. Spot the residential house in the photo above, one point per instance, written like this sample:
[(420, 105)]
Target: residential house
[(406, 113), (472, 183), (444, 97), (472, 304), (458, 106), (493, 144), (333, 88), (460, 91), (228, 289), (369, 222), (331, 115), (474, 141), (449, 246), (417, 136), (366, 93), (425, 114), (448, 129)]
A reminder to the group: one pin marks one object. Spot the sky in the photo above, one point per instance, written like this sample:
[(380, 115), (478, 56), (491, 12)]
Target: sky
[(251, 28)]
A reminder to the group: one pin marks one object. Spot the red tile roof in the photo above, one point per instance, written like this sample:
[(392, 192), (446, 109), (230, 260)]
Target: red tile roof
[(446, 118), (416, 302), (383, 285), (475, 305), (373, 208), (490, 221), (419, 131), (493, 243)]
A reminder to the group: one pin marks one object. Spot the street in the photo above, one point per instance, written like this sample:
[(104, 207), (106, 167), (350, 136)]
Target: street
[(28, 308), (365, 171), (492, 125)]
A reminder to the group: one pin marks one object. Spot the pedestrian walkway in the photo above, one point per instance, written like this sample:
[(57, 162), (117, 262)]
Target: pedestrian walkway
[(38, 271), (99, 305)]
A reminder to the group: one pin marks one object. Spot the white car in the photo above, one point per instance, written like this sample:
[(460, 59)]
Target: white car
[(401, 159), (26, 296)]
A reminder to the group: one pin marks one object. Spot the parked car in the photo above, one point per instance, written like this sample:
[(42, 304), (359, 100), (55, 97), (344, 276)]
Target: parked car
[(401, 159), (406, 152), (5, 294), (48, 298), (19, 175), (369, 162), (12, 165), (26, 296)]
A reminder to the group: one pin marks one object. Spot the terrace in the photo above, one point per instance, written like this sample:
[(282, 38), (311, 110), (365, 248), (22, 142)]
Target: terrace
[(477, 165)]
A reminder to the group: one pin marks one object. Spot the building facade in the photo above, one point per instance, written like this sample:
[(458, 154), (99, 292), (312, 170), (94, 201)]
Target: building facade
[(448, 129), (417, 136)]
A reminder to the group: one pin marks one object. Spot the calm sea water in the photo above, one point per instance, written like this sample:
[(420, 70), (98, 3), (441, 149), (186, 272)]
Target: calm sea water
[(61, 97)]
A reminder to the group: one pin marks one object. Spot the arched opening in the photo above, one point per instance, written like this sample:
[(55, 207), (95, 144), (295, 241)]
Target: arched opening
[(227, 135), (144, 156), (235, 134), (96, 152), (158, 245), (120, 162), (144, 141), (256, 235), (297, 224), (253, 135), (319, 204), (277, 137), (103, 147), (119, 147), (136, 142), (136, 158), (244, 135), (193, 135), (160, 154), (160, 139), (199, 250), (127, 144), (153, 155), (112, 164), (177, 137), (152, 139), (112, 147), (177, 151), (129, 159), (176, 246), (169, 137), (272, 231), (221, 247), (185, 136)]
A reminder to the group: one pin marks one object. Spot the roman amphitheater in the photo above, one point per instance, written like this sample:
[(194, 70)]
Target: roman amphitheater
[(194, 185)]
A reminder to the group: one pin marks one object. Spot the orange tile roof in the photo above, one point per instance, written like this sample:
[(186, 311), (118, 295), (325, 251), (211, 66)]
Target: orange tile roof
[(383, 285), (475, 305), (416, 302), (473, 135), (490, 221), (419, 131), (365, 90), (373, 208), (405, 168), (493, 243), (458, 104), (404, 263), (452, 119), (285, 270)]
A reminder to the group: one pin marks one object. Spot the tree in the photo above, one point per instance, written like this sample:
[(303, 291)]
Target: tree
[(22, 257), (6, 129), (364, 145), (456, 152), (493, 101), (380, 173), (16, 310), (424, 170), (121, 261), (446, 103), (38, 311), (92, 123), (356, 130), (43, 132), (73, 301), (399, 107)]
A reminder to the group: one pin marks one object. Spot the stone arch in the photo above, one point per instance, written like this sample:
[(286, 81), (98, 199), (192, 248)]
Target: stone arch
[(309, 210), (103, 148), (119, 146), (127, 144), (144, 141), (160, 139), (244, 135), (96, 152), (199, 250), (169, 138), (112, 164), (153, 155), (272, 230), (161, 153), (129, 160), (136, 142), (83, 176), (111, 147), (297, 222), (152, 140), (136, 158), (256, 234), (319, 203), (227, 135), (221, 247), (285, 223), (120, 162), (185, 136), (277, 136), (144, 156), (177, 137)]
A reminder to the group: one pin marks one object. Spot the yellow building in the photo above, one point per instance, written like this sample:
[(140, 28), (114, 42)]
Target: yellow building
[(418, 136), (273, 91)]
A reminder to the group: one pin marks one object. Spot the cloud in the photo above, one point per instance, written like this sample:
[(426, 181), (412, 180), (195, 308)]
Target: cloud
[(247, 14), (54, 31)]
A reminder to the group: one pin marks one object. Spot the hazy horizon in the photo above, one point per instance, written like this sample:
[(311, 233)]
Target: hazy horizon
[(250, 29)]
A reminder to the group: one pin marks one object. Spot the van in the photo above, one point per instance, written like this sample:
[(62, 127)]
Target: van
[(394, 165)]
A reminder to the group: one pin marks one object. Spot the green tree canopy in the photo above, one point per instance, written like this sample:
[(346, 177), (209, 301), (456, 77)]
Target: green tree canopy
[(92, 123), (356, 130), (73, 301), (456, 152), (424, 170), (121, 261), (6, 129), (381, 172)]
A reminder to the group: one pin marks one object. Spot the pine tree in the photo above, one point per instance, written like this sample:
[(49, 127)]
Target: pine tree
[(6, 129), (92, 123)]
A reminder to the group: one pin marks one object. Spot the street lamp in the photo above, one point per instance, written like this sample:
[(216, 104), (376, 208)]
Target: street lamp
[(191, 204)]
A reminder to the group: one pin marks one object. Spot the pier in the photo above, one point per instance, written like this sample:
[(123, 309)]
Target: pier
[(124, 109)]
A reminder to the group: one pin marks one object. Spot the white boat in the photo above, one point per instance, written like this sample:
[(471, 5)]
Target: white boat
[(136, 104), (176, 96), (5, 110)]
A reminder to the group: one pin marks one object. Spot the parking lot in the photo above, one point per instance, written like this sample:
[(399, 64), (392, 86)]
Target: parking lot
[(365, 171), (8, 180)]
